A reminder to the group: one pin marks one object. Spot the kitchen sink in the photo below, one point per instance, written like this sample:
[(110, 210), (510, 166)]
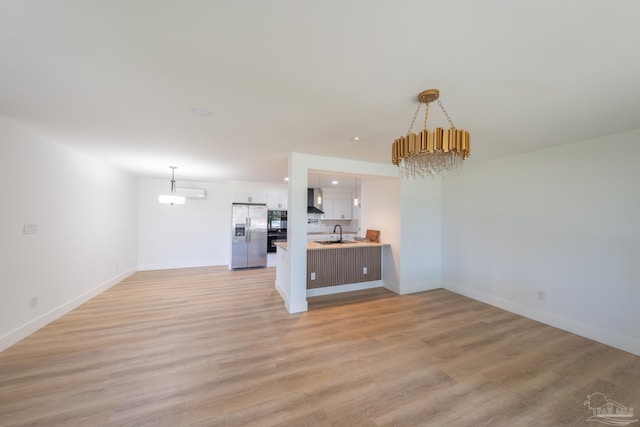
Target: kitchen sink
[(333, 242)]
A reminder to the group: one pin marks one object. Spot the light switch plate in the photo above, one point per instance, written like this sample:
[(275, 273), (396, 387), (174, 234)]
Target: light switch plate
[(30, 229)]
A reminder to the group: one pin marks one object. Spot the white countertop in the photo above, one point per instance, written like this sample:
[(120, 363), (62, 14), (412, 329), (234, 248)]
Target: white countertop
[(320, 246), (320, 233)]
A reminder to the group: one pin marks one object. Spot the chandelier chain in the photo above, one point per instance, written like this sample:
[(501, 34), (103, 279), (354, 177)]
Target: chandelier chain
[(446, 114), (415, 116), (426, 114)]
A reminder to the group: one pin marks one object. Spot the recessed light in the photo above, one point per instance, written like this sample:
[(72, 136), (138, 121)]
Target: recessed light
[(356, 139), (286, 178), (200, 111), (334, 182)]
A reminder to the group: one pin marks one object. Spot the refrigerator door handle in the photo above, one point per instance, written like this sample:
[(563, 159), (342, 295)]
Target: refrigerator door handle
[(247, 236)]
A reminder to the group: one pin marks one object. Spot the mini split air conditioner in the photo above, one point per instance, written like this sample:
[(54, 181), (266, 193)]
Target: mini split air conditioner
[(191, 193)]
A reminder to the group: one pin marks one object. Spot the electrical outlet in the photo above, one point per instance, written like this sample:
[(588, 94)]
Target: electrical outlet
[(541, 296), (364, 270), (34, 302), (313, 275)]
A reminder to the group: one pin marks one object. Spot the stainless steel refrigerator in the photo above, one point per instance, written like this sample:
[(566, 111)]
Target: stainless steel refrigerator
[(249, 236)]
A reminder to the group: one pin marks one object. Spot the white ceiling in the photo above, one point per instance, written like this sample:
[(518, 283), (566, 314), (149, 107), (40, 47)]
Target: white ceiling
[(117, 79)]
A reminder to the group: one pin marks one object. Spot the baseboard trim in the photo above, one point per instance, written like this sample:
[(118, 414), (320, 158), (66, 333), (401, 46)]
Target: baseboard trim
[(32, 326), (593, 333), (418, 287), (292, 308), (392, 286), (344, 288), (283, 295), (297, 307), (172, 265)]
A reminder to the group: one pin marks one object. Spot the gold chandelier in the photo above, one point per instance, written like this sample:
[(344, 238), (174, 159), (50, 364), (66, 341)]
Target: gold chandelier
[(431, 153)]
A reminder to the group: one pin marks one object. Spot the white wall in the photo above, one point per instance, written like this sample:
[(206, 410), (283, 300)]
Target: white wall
[(421, 235), (562, 221), (191, 235), (86, 214), (381, 210), (408, 214)]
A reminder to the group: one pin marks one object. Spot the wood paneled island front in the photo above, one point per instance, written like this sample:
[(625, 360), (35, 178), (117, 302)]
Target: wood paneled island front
[(340, 264)]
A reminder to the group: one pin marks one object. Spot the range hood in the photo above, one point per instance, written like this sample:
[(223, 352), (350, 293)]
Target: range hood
[(312, 206)]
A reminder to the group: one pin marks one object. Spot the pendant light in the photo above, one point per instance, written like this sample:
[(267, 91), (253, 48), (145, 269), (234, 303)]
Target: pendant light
[(171, 198), (356, 200), (319, 198)]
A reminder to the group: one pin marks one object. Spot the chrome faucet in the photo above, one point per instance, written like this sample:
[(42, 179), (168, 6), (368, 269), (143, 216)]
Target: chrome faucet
[(334, 230)]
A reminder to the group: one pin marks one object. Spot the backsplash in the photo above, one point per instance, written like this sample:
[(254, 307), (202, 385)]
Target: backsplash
[(328, 225)]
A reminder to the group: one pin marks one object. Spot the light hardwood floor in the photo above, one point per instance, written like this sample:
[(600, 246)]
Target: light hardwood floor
[(210, 347)]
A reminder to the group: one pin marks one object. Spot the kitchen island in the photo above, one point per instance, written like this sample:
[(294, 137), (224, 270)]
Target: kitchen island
[(338, 267)]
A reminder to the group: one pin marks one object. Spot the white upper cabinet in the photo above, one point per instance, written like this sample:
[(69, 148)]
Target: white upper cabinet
[(249, 197), (337, 204), (273, 195), (277, 201), (273, 200)]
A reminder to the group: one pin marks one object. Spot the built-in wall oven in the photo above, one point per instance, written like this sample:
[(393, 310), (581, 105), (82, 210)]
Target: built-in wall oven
[(277, 220), (273, 238), (276, 228)]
